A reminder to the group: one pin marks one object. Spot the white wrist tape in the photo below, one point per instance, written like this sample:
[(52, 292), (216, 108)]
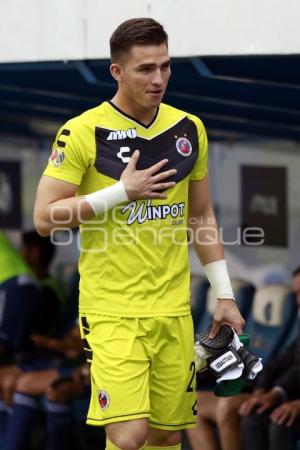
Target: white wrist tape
[(107, 198), (217, 275)]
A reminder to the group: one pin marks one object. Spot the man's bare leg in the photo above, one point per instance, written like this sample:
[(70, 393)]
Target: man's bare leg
[(133, 434), (228, 421), (203, 437)]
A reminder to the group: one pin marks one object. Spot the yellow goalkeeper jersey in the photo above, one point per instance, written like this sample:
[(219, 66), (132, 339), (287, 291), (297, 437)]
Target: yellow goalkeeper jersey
[(134, 258)]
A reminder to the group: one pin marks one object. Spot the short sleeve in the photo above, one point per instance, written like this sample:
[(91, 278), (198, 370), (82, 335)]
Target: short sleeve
[(200, 168), (69, 159)]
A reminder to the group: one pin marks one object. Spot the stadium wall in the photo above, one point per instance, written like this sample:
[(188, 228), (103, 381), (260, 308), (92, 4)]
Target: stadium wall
[(80, 29)]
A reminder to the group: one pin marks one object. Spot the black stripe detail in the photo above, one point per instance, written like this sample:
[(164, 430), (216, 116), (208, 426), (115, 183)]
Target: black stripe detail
[(61, 144), (65, 132), (88, 355), (172, 426), (88, 350), (152, 151), (133, 118), (116, 417), (86, 345), (85, 324)]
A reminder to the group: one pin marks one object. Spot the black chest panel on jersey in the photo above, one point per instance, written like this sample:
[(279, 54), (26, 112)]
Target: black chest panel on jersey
[(179, 144)]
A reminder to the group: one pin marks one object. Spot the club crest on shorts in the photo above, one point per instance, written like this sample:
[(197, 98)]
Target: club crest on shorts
[(57, 157), (103, 398), (184, 147)]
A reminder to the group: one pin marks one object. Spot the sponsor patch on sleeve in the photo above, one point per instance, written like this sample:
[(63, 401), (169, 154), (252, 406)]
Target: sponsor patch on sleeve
[(57, 157)]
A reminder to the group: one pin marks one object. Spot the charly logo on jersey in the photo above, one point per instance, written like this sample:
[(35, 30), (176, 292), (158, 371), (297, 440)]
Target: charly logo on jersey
[(140, 212), (184, 147), (57, 157), (103, 399), (123, 154), (118, 135)]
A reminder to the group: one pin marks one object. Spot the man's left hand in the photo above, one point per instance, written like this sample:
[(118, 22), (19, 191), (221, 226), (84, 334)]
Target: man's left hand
[(227, 313)]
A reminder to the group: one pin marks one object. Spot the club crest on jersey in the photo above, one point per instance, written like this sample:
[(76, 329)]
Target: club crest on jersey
[(184, 147), (118, 135), (57, 157), (103, 398)]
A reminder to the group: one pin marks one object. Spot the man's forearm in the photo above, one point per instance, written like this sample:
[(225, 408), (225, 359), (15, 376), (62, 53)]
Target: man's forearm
[(72, 211), (68, 213), (204, 236)]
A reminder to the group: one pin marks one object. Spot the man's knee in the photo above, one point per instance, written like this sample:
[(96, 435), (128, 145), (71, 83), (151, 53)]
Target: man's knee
[(129, 435), (227, 410), (127, 441)]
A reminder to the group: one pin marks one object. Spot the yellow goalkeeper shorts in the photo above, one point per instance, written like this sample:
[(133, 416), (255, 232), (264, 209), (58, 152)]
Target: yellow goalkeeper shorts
[(141, 368)]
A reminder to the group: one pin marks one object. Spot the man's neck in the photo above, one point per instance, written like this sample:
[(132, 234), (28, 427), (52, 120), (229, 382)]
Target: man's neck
[(145, 116)]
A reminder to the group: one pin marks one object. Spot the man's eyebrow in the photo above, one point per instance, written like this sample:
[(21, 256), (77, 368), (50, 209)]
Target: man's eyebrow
[(165, 63)]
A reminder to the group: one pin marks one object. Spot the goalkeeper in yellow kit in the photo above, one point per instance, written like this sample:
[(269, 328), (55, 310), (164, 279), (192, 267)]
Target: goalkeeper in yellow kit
[(132, 172)]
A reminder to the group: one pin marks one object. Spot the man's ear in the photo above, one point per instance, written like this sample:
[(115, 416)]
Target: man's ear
[(116, 72)]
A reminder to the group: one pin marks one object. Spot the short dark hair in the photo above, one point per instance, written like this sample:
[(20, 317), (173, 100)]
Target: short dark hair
[(46, 247), (296, 271), (140, 31)]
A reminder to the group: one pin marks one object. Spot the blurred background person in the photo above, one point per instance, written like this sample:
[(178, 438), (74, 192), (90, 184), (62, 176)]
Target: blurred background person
[(271, 416)]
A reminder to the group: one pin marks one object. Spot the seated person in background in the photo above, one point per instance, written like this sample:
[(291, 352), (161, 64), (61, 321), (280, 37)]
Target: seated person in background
[(272, 415), (48, 312), (20, 309), (224, 412), (37, 253), (59, 379), (58, 385)]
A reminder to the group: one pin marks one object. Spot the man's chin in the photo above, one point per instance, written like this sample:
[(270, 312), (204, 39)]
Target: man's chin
[(154, 103)]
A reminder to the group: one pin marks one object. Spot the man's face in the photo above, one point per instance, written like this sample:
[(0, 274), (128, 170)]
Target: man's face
[(144, 74), (296, 288)]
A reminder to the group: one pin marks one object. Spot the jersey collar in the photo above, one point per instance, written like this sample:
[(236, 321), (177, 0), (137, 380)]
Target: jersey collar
[(132, 118)]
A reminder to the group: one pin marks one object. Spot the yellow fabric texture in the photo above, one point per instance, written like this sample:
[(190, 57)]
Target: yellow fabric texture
[(141, 368), (134, 258)]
